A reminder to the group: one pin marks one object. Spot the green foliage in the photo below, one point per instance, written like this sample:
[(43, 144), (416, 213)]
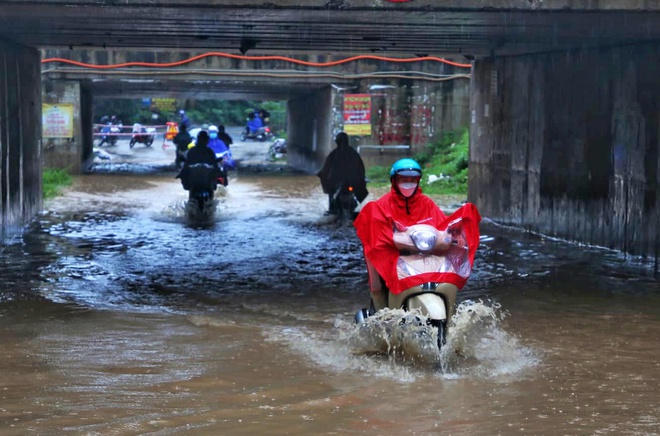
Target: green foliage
[(228, 113), (447, 160), (53, 180), (378, 176)]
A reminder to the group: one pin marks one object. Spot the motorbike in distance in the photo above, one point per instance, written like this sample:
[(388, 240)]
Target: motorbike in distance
[(262, 134), (425, 249), (142, 135), (110, 134)]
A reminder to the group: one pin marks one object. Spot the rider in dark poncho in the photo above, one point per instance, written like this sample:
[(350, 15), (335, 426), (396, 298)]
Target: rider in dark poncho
[(343, 164)]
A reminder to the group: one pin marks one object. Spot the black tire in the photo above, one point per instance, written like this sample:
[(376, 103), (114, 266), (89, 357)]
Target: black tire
[(441, 325), (243, 137), (131, 143), (149, 142)]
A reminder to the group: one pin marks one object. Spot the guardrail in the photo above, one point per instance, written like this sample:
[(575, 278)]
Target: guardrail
[(382, 148), (125, 130)]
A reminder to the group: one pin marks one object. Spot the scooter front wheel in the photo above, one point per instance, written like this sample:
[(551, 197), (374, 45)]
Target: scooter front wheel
[(441, 326)]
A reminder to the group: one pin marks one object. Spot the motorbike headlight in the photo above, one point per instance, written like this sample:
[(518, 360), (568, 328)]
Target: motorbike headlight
[(424, 240)]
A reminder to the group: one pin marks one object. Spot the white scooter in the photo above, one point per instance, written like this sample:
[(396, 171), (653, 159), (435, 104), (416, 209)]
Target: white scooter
[(423, 249)]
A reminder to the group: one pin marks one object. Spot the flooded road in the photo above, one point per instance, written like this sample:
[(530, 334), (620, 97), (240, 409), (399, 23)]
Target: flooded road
[(119, 315)]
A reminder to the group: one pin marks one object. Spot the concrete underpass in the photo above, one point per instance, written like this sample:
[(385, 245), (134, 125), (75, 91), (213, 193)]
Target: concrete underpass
[(564, 101)]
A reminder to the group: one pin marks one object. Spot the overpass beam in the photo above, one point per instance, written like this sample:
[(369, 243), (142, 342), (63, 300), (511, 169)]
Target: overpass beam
[(20, 136), (568, 144)]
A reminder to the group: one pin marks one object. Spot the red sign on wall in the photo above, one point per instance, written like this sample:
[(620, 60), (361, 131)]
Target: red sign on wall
[(357, 114)]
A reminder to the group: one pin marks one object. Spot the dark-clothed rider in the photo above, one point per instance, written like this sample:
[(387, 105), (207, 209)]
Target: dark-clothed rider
[(403, 206), (343, 165), (181, 141), (201, 170), (224, 136)]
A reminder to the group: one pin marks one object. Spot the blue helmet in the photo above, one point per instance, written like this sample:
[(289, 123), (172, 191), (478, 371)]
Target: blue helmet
[(406, 167)]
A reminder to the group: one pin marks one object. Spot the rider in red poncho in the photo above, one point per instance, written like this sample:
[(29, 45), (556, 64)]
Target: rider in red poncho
[(405, 205)]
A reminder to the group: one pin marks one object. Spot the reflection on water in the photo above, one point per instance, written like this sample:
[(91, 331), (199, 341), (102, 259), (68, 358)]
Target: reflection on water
[(121, 314)]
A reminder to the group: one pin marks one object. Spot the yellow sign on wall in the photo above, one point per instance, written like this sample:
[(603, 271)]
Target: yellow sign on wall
[(163, 104), (57, 120)]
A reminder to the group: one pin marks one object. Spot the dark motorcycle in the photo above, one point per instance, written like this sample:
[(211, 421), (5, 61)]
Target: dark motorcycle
[(262, 134), (142, 135), (343, 202), (224, 177), (200, 199), (200, 180)]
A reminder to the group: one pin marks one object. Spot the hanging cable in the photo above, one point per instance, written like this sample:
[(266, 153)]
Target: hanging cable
[(284, 74), (255, 58)]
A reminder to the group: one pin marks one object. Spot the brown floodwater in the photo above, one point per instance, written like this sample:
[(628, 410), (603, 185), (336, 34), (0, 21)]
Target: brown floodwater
[(119, 314)]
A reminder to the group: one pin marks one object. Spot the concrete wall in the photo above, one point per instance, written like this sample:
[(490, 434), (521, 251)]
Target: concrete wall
[(415, 112), (69, 153), (310, 136), (568, 144), (20, 135)]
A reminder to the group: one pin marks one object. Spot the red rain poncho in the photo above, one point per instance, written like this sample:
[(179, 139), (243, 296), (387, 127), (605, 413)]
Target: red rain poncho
[(376, 224)]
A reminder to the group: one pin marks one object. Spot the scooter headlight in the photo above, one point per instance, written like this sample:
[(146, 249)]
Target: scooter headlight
[(424, 240)]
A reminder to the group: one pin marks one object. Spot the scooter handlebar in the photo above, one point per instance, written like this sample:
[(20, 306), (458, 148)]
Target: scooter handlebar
[(422, 238)]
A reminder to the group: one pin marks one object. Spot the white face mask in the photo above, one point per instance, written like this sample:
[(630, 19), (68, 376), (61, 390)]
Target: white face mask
[(407, 189)]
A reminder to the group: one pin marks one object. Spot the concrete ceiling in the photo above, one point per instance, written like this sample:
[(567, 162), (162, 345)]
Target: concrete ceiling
[(286, 27), (200, 90)]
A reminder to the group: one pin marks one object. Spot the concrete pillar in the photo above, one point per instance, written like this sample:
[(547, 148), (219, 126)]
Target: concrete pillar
[(71, 153), (310, 137), (569, 145), (20, 135)]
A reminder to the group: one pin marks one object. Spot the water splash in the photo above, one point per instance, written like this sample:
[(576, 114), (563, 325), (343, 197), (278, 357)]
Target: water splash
[(477, 344), (403, 336), (184, 210)]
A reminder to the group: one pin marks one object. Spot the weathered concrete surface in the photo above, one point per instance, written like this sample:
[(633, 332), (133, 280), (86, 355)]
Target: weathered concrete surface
[(20, 135), (69, 153), (228, 78), (309, 130), (417, 5), (414, 106), (471, 27), (569, 145)]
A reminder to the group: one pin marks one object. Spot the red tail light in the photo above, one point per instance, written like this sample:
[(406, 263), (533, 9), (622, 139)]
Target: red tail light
[(267, 129), (350, 189)]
